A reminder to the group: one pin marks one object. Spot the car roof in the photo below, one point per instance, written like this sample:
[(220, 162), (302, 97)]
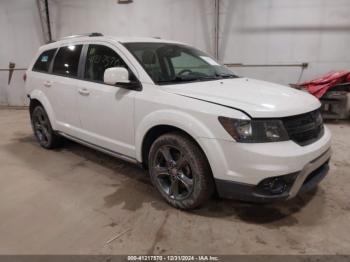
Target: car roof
[(142, 40), (125, 39)]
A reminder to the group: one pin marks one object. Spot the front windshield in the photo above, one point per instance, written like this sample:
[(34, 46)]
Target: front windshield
[(168, 63)]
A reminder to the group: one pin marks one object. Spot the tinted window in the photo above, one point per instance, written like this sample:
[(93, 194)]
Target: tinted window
[(43, 62), (67, 60), (168, 63), (98, 59)]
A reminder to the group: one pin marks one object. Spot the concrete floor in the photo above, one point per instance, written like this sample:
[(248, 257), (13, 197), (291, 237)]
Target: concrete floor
[(74, 200)]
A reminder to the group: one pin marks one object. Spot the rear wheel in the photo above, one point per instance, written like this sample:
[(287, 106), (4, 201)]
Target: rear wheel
[(43, 132), (180, 171)]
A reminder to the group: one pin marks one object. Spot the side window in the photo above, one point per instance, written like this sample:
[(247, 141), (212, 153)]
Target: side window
[(42, 64), (67, 61), (98, 59)]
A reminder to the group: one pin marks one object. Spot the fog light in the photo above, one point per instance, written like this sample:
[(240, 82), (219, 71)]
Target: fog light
[(276, 185)]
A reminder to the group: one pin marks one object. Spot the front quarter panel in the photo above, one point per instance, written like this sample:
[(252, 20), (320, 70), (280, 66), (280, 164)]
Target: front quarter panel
[(199, 119)]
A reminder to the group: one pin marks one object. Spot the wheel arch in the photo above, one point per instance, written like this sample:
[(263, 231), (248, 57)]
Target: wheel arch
[(158, 130), (38, 97), (163, 121), (151, 135)]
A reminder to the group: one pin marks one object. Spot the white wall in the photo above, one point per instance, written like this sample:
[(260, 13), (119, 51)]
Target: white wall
[(190, 21), (285, 31), (251, 31), (20, 38)]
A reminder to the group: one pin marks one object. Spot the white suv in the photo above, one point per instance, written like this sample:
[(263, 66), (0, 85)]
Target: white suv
[(196, 126)]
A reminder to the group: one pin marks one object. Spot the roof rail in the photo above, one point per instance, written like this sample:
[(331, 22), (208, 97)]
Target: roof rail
[(94, 34)]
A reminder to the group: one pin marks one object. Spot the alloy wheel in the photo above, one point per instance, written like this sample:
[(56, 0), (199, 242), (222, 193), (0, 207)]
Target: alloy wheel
[(173, 172), (41, 126)]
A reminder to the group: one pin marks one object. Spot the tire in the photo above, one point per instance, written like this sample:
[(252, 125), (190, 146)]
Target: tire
[(180, 171), (42, 129)]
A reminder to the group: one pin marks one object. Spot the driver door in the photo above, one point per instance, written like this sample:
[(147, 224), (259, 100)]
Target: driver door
[(106, 111)]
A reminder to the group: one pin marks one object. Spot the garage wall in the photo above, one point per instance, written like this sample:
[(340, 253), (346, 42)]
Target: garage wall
[(21, 35), (251, 32), (190, 21), (285, 31)]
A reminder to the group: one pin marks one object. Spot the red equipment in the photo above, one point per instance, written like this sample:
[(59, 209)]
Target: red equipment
[(318, 87)]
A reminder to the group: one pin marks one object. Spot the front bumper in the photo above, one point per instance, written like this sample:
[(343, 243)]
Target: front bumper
[(303, 181)]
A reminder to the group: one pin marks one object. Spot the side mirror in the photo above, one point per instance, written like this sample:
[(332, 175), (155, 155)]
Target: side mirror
[(120, 76), (116, 75)]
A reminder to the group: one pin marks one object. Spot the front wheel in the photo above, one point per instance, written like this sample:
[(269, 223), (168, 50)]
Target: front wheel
[(180, 171)]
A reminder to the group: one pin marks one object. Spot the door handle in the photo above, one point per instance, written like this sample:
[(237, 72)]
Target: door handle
[(84, 92), (47, 83)]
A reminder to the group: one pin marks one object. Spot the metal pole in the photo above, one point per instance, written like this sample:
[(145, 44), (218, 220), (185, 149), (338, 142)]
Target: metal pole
[(48, 20), (216, 28)]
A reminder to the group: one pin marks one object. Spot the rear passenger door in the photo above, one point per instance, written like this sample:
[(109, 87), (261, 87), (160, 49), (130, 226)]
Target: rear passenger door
[(106, 111), (63, 87)]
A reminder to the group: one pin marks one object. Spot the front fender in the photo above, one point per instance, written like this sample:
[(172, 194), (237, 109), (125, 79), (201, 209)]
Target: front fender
[(178, 119), (42, 98)]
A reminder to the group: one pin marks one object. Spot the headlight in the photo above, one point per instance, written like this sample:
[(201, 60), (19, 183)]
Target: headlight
[(318, 118), (254, 131)]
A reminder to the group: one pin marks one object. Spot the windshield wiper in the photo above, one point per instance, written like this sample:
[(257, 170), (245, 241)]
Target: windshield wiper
[(207, 78), (193, 78), (227, 75), (188, 79)]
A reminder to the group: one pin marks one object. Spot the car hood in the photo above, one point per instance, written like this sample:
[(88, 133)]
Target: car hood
[(257, 98)]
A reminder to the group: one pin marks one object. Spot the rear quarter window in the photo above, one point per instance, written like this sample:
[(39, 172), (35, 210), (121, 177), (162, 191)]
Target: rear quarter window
[(42, 64)]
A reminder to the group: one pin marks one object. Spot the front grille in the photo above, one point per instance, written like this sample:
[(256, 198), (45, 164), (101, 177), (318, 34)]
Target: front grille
[(304, 129)]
